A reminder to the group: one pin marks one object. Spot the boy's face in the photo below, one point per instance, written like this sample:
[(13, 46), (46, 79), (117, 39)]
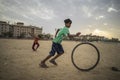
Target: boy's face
[(68, 24)]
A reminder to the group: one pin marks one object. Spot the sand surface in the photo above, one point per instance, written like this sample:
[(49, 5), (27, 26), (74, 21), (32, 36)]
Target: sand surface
[(19, 62)]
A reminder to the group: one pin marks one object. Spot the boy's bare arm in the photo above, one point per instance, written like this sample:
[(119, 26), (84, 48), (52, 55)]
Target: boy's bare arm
[(74, 35), (57, 32)]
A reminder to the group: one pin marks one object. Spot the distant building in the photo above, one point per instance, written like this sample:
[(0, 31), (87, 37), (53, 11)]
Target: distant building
[(95, 38), (19, 29), (90, 37), (4, 27)]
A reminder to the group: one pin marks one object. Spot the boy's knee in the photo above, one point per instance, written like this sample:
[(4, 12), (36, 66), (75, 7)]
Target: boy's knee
[(61, 53), (51, 53)]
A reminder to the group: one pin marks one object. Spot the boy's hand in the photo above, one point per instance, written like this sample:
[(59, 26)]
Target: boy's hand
[(78, 33)]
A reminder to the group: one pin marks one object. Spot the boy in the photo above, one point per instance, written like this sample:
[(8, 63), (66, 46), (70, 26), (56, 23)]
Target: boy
[(36, 38), (56, 45)]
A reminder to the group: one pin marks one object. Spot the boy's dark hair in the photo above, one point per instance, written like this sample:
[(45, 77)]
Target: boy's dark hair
[(67, 21)]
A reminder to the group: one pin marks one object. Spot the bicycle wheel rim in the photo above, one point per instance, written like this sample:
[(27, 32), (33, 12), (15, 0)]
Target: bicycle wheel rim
[(90, 68)]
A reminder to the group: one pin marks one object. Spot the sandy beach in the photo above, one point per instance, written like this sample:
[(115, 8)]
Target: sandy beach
[(19, 62)]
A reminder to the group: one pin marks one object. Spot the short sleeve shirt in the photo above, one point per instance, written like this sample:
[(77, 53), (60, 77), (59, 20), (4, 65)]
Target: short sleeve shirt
[(63, 32)]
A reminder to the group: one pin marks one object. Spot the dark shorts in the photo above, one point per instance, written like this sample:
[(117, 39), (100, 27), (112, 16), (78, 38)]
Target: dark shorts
[(56, 48)]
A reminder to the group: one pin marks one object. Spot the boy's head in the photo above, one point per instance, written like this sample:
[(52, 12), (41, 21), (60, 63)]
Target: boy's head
[(68, 22)]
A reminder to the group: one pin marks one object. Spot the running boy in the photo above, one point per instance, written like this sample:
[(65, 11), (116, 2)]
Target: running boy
[(36, 38), (56, 45)]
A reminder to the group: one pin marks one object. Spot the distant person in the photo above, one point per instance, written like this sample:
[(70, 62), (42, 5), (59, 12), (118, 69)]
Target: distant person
[(56, 45), (35, 43)]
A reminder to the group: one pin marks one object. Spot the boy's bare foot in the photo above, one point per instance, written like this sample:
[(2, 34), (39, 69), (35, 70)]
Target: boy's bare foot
[(43, 65), (53, 62)]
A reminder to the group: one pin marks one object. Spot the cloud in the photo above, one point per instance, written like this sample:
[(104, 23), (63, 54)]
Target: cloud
[(110, 9), (105, 24), (51, 13), (101, 33), (87, 11), (89, 26), (100, 17), (43, 13)]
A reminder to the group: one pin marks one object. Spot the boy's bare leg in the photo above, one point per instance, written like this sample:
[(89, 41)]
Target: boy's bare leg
[(37, 46), (42, 64), (58, 55), (33, 46), (48, 57), (53, 59)]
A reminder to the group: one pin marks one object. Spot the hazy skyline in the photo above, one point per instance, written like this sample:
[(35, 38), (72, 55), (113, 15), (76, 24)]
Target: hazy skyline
[(100, 17)]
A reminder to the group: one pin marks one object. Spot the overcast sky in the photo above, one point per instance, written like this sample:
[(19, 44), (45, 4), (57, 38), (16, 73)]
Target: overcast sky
[(101, 17)]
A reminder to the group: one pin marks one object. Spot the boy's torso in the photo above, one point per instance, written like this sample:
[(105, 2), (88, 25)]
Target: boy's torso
[(63, 32), (36, 40)]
